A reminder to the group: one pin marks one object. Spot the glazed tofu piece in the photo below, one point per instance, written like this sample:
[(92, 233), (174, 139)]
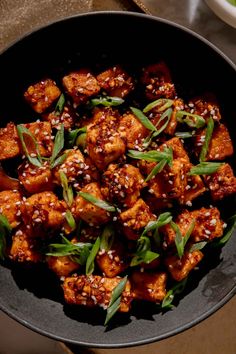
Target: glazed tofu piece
[(10, 202), (180, 268), (132, 130), (67, 117), (222, 183), (220, 146), (80, 86), (158, 82), (206, 107), (122, 185), (24, 248), (156, 204), (72, 166), (104, 143), (42, 95), (171, 181), (135, 219), (116, 82), (112, 262), (87, 211), (208, 225), (43, 213), (177, 147), (149, 286), (9, 142), (95, 290), (42, 131), (62, 266), (35, 179), (194, 188)]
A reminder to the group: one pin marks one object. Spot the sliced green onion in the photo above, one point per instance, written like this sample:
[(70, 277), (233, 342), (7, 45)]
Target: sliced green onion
[(152, 155), (59, 161), (70, 220), (163, 104), (107, 237), (166, 115), (90, 260), (185, 117), (23, 131), (157, 169), (177, 289), (205, 168), (67, 190), (231, 225), (116, 295), (81, 140), (184, 135), (197, 246), (58, 145), (60, 105), (180, 240), (163, 219), (5, 230), (143, 253), (98, 202), (143, 119), (78, 252), (73, 135), (106, 101), (205, 146)]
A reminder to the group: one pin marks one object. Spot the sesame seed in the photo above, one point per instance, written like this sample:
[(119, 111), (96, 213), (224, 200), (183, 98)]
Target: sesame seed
[(37, 220)]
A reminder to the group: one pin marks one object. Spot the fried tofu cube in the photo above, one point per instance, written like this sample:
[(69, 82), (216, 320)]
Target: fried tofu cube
[(122, 185), (171, 181), (158, 82), (95, 290), (208, 225), (43, 213), (42, 95), (62, 266), (206, 107), (72, 166), (87, 211), (112, 262), (10, 202), (9, 142), (155, 204), (194, 188), (132, 130), (135, 219), (89, 233), (116, 82), (177, 147), (180, 268), (149, 286), (80, 86), (104, 143), (67, 117), (220, 146), (222, 183), (24, 248), (42, 131), (35, 179)]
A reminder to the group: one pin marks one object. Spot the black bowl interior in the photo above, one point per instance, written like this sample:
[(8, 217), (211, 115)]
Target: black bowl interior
[(98, 40)]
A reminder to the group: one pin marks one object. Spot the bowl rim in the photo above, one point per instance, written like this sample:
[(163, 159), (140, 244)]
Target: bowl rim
[(207, 313)]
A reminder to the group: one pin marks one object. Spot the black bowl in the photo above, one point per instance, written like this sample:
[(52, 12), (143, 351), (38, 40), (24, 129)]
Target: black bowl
[(33, 297)]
